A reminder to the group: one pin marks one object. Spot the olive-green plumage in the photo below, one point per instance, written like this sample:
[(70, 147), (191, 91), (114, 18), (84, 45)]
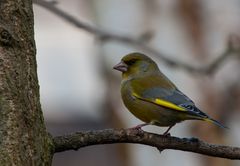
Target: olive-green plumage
[(151, 96)]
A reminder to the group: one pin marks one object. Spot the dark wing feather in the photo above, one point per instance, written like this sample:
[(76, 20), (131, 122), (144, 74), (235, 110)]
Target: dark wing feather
[(152, 89)]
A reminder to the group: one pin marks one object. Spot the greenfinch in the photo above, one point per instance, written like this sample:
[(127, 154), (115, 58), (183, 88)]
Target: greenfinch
[(152, 97)]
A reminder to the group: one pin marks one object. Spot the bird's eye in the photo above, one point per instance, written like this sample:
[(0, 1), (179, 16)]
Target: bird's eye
[(130, 62)]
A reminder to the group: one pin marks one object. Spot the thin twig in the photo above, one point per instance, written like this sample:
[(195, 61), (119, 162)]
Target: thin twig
[(107, 36), (110, 136)]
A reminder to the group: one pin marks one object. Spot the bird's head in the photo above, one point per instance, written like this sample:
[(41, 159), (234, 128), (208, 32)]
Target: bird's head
[(136, 64)]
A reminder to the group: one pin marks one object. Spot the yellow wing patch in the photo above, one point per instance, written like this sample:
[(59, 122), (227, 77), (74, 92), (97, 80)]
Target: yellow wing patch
[(161, 102), (168, 105)]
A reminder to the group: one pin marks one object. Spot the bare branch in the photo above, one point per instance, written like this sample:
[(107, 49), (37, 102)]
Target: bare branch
[(83, 139), (110, 136), (107, 36)]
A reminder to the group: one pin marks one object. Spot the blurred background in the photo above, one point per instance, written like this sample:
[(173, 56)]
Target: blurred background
[(80, 90)]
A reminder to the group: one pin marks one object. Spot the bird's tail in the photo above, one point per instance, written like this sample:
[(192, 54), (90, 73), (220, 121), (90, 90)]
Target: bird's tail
[(215, 122)]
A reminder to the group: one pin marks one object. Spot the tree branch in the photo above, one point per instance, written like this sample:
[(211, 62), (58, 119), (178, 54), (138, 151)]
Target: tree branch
[(84, 139), (110, 136), (209, 69)]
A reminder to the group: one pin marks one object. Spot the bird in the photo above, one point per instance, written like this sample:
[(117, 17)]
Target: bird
[(151, 97)]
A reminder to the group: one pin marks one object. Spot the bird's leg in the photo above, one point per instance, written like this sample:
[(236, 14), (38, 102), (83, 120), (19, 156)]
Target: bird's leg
[(166, 132), (139, 127)]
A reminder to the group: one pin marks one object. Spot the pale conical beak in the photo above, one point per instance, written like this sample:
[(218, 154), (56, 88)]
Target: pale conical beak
[(121, 66)]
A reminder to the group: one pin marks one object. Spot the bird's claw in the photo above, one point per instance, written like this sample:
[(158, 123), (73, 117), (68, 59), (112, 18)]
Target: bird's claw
[(138, 127)]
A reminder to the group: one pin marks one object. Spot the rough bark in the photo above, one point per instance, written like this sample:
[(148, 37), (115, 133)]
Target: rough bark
[(23, 137)]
